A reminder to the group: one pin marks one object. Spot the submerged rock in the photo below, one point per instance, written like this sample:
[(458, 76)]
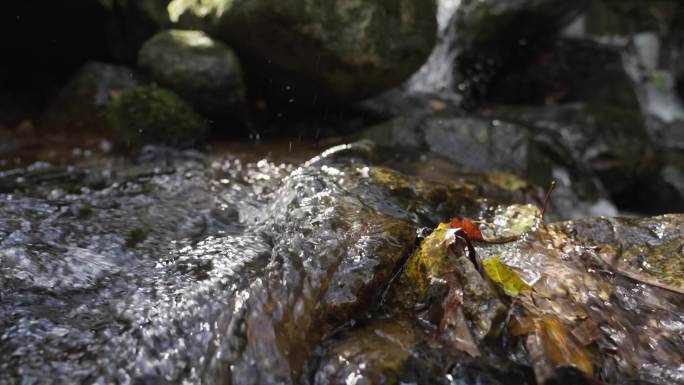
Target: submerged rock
[(375, 353), (345, 50), (204, 269), (203, 71), (154, 115)]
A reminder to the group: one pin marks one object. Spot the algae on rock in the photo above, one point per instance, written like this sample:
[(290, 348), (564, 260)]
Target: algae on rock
[(153, 115)]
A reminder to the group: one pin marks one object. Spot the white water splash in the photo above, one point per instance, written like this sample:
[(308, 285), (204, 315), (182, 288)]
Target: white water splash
[(436, 75), (655, 85)]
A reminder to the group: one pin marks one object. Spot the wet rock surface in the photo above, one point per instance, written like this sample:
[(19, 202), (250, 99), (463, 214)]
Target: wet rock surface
[(582, 320), (608, 141), (183, 267), (199, 269), (436, 253)]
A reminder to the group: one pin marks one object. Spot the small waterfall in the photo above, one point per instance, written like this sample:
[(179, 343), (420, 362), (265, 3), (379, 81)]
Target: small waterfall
[(655, 84), (436, 75)]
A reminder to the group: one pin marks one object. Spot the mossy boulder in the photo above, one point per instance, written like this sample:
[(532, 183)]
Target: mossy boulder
[(82, 103), (205, 72), (307, 52), (154, 115)]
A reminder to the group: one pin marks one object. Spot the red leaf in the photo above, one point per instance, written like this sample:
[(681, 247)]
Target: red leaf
[(469, 227)]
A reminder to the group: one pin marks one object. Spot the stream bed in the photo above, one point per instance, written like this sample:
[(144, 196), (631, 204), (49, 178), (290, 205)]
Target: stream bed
[(184, 267)]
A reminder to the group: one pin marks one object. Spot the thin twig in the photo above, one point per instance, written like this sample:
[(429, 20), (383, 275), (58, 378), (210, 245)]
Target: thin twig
[(547, 198)]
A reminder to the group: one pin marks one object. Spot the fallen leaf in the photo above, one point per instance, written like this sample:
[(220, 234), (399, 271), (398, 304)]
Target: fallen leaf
[(469, 227), (430, 260), (505, 277), (561, 348), (551, 343)]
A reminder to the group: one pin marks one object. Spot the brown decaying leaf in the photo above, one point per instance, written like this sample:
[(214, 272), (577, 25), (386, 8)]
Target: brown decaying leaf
[(558, 344)]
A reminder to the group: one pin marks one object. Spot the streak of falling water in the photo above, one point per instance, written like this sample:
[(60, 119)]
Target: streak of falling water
[(436, 75), (656, 85)]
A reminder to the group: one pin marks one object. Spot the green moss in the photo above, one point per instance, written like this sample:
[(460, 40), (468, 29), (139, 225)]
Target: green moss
[(454, 198), (392, 179), (153, 115)]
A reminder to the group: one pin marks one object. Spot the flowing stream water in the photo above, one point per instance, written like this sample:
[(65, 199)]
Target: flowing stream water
[(259, 267)]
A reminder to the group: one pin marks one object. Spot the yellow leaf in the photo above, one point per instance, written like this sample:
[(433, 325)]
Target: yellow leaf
[(505, 277), (430, 260)]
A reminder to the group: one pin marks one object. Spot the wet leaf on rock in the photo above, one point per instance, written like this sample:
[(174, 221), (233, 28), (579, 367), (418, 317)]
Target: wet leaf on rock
[(469, 227), (505, 277), (430, 260), (551, 345)]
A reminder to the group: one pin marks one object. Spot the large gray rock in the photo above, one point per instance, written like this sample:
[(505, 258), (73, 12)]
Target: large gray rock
[(203, 71), (305, 51), (604, 139), (494, 35), (570, 70), (473, 143)]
